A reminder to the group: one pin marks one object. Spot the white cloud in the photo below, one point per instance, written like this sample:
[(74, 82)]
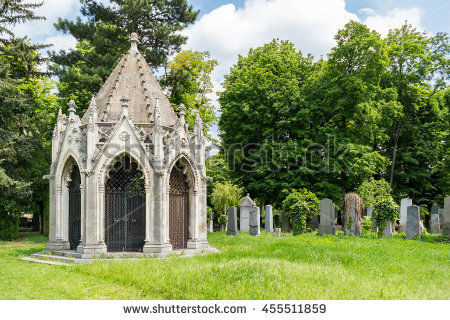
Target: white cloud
[(394, 19), (61, 42), (228, 31)]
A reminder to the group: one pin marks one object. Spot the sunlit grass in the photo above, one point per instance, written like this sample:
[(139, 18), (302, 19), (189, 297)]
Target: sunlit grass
[(302, 267)]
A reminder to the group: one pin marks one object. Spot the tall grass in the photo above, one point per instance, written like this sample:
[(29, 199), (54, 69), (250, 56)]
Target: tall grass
[(301, 267)]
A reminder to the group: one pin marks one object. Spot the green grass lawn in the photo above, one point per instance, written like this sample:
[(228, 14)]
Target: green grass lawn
[(302, 267)]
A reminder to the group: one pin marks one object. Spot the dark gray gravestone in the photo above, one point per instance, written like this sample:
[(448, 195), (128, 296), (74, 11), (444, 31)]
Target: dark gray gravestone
[(285, 223), (446, 217), (435, 225), (327, 211), (435, 209), (387, 231), (315, 221), (369, 211), (254, 221), (269, 219), (413, 222), (232, 228)]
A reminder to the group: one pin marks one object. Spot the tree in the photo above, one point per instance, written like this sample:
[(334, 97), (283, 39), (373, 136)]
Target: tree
[(225, 195), (188, 78), (101, 39), (373, 191), (299, 206)]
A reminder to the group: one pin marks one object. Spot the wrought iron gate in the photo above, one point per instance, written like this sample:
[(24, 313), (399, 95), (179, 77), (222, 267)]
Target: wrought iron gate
[(178, 209), (74, 208), (125, 207)]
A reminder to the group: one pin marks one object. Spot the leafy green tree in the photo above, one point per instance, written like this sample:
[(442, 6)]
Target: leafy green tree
[(188, 76), (225, 195), (299, 206), (101, 39), (373, 191)]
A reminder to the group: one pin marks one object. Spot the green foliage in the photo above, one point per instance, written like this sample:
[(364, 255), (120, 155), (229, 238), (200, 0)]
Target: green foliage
[(373, 191), (300, 205), (209, 214), (366, 223), (102, 35), (225, 195), (223, 218), (188, 76), (385, 210), (9, 227)]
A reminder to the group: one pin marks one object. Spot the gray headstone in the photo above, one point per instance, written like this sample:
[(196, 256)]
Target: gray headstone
[(254, 221), (232, 228), (404, 204), (327, 225), (387, 231), (446, 216), (441, 218), (413, 222), (435, 209), (369, 211), (277, 232), (352, 220), (315, 221), (211, 226), (285, 223), (374, 227), (244, 212), (269, 219), (435, 225)]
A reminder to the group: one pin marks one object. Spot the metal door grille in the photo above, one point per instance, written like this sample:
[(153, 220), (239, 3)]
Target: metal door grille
[(74, 208), (178, 209), (125, 207)]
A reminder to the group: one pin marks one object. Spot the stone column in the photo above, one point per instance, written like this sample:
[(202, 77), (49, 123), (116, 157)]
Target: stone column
[(54, 239), (327, 225), (446, 216), (404, 204), (158, 242), (232, 228), (254, 221), (83, 211), (269, 219), (148, 216), (413, 222)]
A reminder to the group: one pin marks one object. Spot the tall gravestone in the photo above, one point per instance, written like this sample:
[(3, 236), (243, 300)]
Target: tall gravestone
[(232, 228), (269, 219), (435, 225), (352, 215), (446, 217), (441, 218), (413, 222), (285, 223), (244, 213), (387, 231), (327, 225), (404, 204), (254, 221), (210, 226)]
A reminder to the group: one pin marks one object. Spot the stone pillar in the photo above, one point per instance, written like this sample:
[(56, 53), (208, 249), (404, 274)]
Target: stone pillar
[(159, 242), (387, 231), (83, 212), (446, 216), (54, 240), (269, 219), (254, 221), (352, 215), (327, 225), (232, 228), (404, 204), (413, 222), (285, 223)]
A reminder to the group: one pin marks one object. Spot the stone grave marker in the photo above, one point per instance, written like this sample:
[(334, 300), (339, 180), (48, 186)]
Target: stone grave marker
[(413, 222), (244, 212), (285, 223), (277, 232), (327, 225), (352, 215), (269, 219), (387, 231), (404, 204), (254, 221), (232, 228)]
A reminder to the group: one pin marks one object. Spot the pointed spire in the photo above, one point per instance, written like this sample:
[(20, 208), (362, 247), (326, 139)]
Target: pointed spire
[(60, 114), (93, 110), (182, 113), (134, 40), (198, 123)]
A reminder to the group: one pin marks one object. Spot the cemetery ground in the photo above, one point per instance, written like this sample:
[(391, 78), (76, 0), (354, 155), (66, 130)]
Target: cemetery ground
[(265, 267)]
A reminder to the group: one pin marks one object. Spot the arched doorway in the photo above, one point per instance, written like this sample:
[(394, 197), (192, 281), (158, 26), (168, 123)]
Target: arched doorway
[(125, 207), (74, 208), (178, 208)]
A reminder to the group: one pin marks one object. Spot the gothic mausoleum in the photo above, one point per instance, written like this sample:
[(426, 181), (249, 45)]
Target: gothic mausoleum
[(128, 176)]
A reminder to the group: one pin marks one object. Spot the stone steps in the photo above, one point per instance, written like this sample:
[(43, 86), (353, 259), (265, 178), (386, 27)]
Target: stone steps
[(34, 260), (59, 258)]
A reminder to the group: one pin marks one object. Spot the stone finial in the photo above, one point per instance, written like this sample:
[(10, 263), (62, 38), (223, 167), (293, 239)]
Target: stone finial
[(182, 113), (60, 114), (134, 40), (157, 114), (72, 106), (124, 102)]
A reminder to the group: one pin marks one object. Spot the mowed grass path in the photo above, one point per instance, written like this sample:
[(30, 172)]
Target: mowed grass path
[(302, 267)]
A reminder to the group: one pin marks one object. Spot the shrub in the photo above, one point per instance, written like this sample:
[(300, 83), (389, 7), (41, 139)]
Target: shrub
[(385, 210), (366, 223), (374, 191), (9, 228), (209, 214), (299, 205), (223, 219)]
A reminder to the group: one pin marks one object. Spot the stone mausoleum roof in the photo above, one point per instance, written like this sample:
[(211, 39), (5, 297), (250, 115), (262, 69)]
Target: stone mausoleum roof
[(133, 78)]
